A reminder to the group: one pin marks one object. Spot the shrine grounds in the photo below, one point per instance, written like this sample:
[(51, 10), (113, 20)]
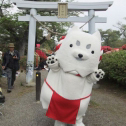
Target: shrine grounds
[(107, 106)]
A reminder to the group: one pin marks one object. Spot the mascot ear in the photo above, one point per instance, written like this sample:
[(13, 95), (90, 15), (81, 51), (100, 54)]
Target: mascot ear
[(74, 28), (98, 35)]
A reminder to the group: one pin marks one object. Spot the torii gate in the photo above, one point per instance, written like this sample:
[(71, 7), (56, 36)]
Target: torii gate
[(72, 6)]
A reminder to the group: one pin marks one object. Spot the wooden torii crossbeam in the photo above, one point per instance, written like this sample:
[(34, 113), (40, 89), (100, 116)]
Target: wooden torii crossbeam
[(72, 6), (91, 7), (46, 6)]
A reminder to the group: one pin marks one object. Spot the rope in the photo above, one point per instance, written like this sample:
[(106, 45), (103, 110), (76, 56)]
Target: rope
[(87, 21), (56, 33), (47, 28)]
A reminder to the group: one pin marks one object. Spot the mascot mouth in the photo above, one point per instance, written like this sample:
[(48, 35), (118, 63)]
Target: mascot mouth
[(79, 59)]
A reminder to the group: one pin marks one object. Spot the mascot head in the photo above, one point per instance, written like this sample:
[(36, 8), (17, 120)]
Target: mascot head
[(80, 52)]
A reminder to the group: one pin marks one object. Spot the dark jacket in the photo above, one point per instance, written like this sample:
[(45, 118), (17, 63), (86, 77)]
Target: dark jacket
[(9, 62), (41, 65)]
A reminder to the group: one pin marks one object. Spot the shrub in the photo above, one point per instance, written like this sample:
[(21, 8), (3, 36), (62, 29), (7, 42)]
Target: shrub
[(23, 62), (106, 48), (114, 65), (124, 47)]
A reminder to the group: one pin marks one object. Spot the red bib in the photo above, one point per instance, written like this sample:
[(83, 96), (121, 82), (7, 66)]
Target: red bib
[(62, 109)]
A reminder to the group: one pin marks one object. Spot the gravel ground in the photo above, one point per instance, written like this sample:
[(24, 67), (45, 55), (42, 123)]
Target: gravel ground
[(106, 107)]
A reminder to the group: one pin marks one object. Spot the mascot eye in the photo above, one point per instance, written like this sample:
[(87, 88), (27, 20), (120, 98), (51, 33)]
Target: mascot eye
[(71, 45), (78, 43), (88, 46), (92, 52)]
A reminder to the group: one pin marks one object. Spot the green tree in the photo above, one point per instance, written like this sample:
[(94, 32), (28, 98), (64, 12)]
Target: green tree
[(122, 29), (111, 38), (11, 30)]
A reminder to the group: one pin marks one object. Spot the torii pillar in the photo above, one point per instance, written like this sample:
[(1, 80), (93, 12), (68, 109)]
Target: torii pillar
[(91, 24), (31, 47)]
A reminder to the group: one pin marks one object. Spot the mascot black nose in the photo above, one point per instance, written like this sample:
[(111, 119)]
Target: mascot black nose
[(80, 55)]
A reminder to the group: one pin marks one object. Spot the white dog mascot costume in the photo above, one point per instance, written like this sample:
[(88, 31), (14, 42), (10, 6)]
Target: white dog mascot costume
[(73, 70)]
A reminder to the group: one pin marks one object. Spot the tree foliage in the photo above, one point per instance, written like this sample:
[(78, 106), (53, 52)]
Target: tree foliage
[(111, 38), (122, 29), (11, 30)]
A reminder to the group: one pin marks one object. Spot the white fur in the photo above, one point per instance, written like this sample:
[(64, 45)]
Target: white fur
[(0, 55), (62, 76)]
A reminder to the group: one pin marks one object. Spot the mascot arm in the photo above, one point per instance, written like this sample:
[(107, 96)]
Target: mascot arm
[(53, 63), (95, 76)]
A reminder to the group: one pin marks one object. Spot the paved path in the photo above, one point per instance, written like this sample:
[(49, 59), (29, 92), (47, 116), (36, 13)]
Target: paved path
[(106, 109)]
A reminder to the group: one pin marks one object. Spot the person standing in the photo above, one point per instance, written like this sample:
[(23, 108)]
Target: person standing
[(42, 64), (11, 65)]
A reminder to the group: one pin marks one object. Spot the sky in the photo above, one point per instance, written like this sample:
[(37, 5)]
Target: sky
[(114, 14)]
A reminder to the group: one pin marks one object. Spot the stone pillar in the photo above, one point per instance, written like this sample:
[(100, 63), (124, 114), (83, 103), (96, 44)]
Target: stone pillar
[(91, 24), (31, 47)]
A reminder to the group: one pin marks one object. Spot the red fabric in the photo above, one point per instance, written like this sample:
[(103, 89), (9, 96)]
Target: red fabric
[(57, 47), (101, 55), (101, 48), (63, 37), (63, 109), (100, 58), (41, 54), (78, 75)]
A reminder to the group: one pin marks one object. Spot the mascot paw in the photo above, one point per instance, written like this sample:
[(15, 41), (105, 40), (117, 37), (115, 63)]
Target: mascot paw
[(99, 74), (53, 63), (51, 60)]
